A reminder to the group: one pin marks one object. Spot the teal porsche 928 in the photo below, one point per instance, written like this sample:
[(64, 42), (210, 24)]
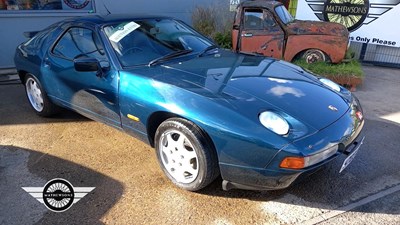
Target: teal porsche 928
[(257, 122)]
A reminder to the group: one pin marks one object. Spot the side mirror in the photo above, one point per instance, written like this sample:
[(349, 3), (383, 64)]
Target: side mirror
[(87, 64)]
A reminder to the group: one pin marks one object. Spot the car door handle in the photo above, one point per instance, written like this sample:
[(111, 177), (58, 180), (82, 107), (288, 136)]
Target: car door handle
[(247, 35)]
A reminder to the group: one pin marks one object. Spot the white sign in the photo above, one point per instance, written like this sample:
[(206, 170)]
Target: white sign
[(372, 22), (233, 4), (122, 31)]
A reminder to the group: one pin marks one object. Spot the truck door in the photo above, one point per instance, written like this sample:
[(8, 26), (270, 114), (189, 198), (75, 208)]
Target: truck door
[(261, 33)]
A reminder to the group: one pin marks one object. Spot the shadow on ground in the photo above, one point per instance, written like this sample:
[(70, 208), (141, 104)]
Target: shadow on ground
[(15, 107), (21, 167)]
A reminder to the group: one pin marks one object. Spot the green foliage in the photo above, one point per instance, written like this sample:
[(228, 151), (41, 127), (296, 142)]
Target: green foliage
[(351, 68), (211, 23), (224, 39), (204, 20), (349, 55)]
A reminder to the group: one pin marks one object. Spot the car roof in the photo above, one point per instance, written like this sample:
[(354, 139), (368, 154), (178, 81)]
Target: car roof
[(260, 3), (103, 19)]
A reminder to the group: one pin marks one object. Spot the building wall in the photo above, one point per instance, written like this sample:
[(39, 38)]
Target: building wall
[(376, 54), (13, 26), (14, 23)]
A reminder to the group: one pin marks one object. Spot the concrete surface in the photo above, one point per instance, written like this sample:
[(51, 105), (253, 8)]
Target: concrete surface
[(131, 189), (372, 213)]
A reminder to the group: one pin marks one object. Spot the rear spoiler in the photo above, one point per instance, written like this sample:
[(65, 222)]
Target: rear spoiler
[(30, 34)]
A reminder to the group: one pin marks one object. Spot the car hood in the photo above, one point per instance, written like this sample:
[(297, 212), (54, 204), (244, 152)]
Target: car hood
[(302, 27), (252, 84)]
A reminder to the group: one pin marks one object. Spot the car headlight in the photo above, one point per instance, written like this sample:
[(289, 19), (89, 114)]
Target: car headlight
[(332, 85), (274, 122), (303, 162)]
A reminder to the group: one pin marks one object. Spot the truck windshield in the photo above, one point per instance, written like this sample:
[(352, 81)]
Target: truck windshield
[(283, 14)]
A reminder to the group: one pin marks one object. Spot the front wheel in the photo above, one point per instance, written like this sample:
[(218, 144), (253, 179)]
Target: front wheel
[(185, 155), (314, 55), (38, 98)]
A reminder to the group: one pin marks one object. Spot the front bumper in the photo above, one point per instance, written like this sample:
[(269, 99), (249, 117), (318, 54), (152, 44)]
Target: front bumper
[(265, 179), (272, 177)]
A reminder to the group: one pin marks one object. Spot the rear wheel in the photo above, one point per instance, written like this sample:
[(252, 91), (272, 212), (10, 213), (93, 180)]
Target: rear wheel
[(314, 55), (185, 155), (38, 98)]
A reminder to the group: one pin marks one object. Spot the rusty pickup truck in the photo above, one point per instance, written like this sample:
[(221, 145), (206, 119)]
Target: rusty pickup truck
[(267, 28)]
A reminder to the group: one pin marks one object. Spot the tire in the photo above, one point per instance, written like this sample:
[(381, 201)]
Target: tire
[(37, 97), (185, 154), (314, 55)]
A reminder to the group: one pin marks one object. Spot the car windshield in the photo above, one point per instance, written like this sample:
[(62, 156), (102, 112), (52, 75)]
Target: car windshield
[(283, 14), (144, 42)]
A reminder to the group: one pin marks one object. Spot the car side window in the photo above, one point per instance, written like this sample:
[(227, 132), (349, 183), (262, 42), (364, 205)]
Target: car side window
[(253, 19), (258, 19), (269, 20), (78, 42)]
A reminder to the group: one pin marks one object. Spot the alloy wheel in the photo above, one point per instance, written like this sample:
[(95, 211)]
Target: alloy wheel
[(34, 94), (179, 156)]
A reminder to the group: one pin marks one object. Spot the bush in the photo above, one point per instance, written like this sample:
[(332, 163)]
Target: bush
[(204, 21), (350, 68), (349, 55), (214, 23), (224, 40)]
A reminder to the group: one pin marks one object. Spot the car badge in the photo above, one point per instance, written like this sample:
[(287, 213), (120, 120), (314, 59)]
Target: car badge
[(333, 108)]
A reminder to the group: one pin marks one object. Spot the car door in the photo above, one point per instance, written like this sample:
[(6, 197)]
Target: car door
[(93, 94), (261, 33)]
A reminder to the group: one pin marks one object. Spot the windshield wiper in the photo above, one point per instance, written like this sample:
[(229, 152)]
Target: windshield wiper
[(211, 47), (170, 56)]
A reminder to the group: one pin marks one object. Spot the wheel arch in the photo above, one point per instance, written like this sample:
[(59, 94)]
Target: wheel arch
[(332, 46), (156, 118), (299, 54), (154, 121), (22, 75)]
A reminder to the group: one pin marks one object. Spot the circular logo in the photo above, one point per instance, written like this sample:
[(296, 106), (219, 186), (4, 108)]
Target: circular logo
[(58, 195), (77, 4), (350, 13)]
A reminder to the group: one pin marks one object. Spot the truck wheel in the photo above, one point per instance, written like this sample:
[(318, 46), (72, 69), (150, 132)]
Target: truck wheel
[(185, 155), (314, 55)]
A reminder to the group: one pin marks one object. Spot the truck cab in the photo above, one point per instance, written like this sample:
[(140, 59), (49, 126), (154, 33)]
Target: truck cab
[(267, 28)]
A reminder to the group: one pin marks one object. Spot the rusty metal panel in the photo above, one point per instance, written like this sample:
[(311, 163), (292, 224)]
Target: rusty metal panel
[(235, 34), (260, 4), (268, 45), (299, 27), (331, 38), (333, 46)]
